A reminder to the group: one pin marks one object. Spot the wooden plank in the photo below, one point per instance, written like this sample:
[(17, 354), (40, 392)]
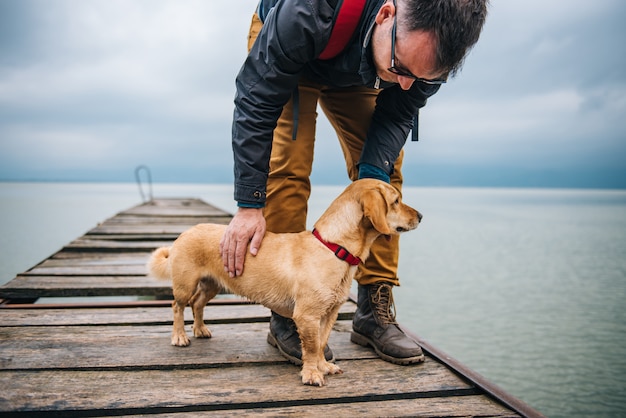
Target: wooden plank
[(213, 313), (125, 219), (89, 270), (176, 207), (224, 388), (136, 269), (76, 259), (141, 347), (121, 243), (428, 407), (149, 211), (146, 229), (95, 256), (25, 286)]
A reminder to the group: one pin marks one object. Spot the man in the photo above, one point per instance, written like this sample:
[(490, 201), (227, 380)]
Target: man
[(400, 54)]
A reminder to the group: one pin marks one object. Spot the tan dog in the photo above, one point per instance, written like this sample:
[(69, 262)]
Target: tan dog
[(293, 274)]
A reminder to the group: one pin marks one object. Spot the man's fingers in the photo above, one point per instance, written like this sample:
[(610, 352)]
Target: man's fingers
[(233, 249), (255, 243), (230, 257), (225, 250), (246, 227), (239, 256), (229, 248)]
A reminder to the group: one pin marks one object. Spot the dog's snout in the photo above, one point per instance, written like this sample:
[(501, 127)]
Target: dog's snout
[(413, 220)]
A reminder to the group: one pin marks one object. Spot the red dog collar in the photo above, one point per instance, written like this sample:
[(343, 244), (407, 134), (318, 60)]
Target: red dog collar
[(340, 252)]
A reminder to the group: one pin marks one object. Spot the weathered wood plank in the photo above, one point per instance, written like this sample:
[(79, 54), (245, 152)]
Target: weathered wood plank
[(124, 266), (76, 259), (193, 211), (89, 270), (121, 243), (127, 316), (96, 256), (166, 202), (452, 406), (214, 313), (25, 286), (216, 388), (175, 207), (148, 228), (140, 347), (125, 219)]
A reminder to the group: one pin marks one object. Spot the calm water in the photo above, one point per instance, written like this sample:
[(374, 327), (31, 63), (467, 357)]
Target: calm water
[(526, 287)]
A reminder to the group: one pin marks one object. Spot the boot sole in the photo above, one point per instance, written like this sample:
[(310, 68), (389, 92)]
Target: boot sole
[(362, 340), (274, 343)]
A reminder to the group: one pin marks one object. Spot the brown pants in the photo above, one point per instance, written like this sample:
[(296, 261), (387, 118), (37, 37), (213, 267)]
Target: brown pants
[(349, 111)]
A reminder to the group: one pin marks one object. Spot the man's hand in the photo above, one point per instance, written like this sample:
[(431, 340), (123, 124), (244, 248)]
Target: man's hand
[(248, 226)]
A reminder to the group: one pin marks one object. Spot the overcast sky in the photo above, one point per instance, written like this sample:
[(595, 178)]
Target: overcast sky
[(90, 89)]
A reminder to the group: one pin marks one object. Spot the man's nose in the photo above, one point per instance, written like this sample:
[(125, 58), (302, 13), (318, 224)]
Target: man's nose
[(405, 82)]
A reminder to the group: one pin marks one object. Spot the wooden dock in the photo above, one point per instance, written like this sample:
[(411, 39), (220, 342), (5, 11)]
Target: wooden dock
[(93, 358)]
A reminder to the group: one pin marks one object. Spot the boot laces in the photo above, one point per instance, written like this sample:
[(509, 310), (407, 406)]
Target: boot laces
[(384, 306)]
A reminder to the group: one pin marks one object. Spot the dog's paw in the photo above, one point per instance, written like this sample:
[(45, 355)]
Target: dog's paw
[(330, 368), (201, 332), (312, 377), (180, 340)]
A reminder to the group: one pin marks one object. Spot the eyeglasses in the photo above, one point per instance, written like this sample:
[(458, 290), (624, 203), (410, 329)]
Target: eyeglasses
[(401, 71)]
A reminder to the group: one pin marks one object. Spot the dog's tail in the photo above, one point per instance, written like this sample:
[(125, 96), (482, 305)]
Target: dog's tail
[(159, 264)]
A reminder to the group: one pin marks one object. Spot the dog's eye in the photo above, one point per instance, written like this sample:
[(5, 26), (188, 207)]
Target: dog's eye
[(397, 202)]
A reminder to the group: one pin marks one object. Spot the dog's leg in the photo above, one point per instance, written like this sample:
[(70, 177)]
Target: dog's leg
[(326, 326), (183, 292), (179, 336), (207, 289), (309, 331)]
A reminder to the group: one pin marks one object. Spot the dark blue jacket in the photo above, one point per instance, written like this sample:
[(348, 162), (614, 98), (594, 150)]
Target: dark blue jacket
[(294, 34)]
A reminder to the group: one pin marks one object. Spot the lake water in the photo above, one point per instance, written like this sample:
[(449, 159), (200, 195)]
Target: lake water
[(525, 286)]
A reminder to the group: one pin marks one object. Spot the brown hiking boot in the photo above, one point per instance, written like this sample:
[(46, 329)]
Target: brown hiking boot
[(375, 325)]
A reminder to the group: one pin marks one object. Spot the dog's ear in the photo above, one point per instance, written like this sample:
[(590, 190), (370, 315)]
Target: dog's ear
[(375, 209)]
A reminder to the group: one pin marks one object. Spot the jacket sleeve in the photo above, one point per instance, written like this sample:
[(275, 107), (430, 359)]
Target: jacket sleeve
[(391, 123), (294, 33)]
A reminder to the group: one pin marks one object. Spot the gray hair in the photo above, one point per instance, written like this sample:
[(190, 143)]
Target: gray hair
[(456, 23)]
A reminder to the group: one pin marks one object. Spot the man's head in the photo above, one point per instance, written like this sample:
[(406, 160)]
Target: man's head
[(425, 39)]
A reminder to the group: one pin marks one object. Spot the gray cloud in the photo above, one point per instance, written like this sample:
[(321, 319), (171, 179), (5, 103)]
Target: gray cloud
[(90, 89)]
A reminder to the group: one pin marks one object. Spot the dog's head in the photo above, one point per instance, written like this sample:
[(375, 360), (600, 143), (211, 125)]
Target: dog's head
[(383, 208)]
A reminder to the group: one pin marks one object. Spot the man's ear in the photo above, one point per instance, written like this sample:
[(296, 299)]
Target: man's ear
[(374, 208), (387, 10)]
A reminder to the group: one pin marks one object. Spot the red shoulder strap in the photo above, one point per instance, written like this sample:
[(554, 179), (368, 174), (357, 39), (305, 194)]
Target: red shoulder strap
[(346, 22)]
